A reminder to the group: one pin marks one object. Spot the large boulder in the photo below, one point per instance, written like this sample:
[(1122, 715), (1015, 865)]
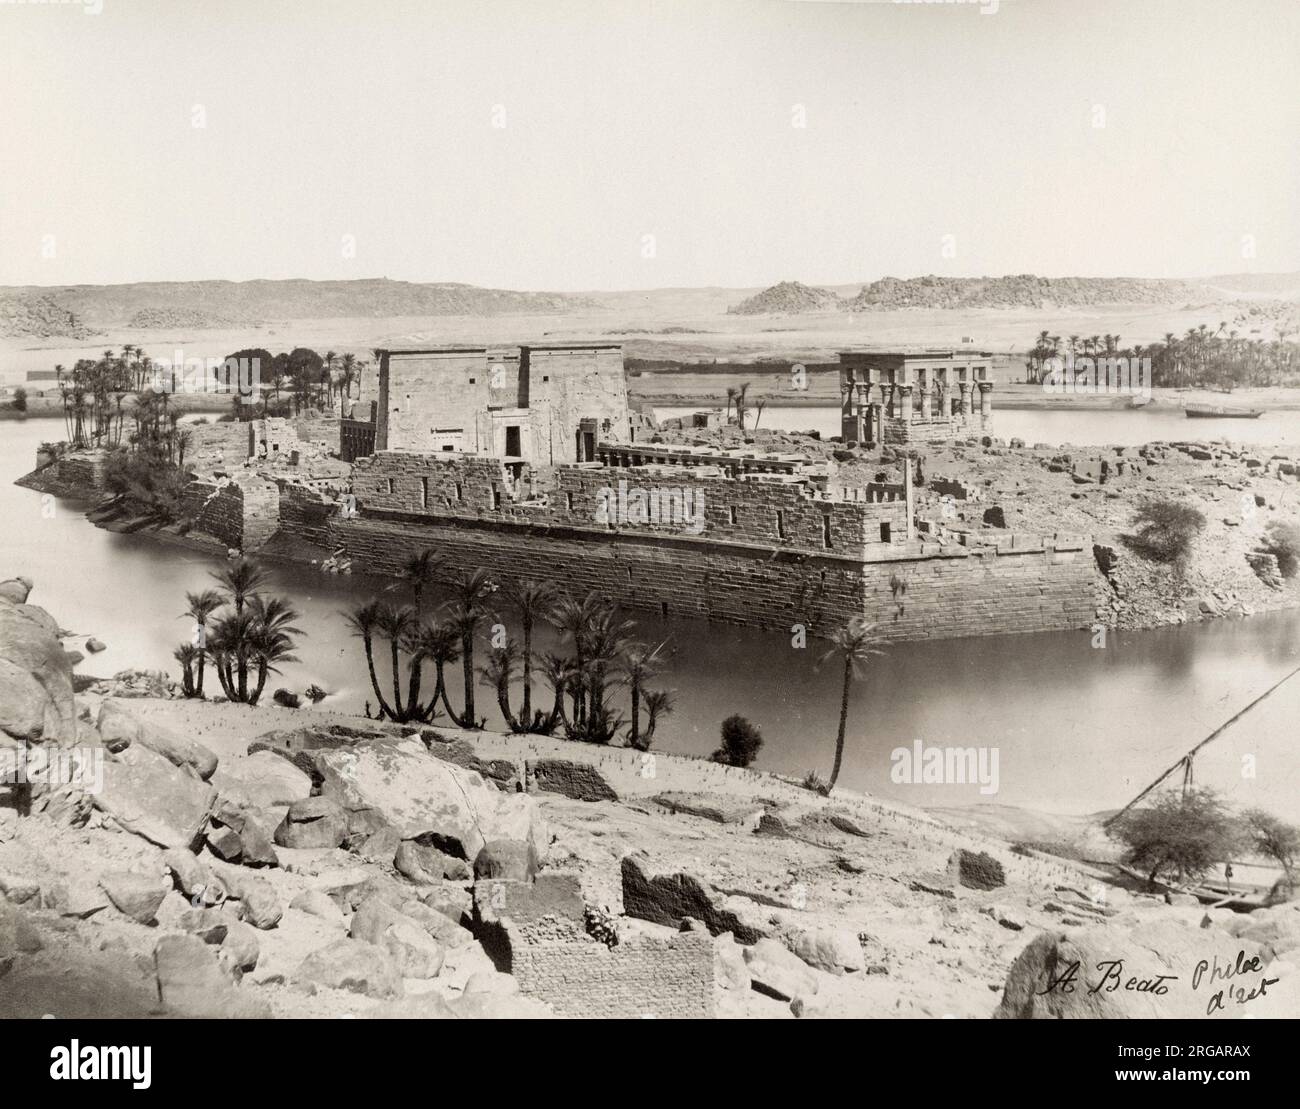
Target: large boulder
[(668, 897), (262, 780), (36, 679), (397, 783), (834, 950), (135, 895), (507, 858), (120, 728), (776, 971), (193, 982), (354, 965), (579, 781), (149, 796), (252, 838), (1157, 968), (313, 822), (416, 953)]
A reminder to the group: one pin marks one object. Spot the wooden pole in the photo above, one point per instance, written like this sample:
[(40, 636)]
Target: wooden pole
[(1186, 760)]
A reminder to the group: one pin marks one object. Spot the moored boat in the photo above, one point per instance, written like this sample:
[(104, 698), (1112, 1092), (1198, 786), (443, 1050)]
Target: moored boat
[(1221, 412)]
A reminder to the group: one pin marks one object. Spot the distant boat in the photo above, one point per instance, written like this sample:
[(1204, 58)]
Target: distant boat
[(1221, 412)]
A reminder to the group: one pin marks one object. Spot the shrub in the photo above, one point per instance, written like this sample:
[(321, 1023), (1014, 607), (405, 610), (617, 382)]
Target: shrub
[(1273, 838), (20, 399), (1166, 528), (816, 783), (1283, 542), (1183, 834), (740, 742)]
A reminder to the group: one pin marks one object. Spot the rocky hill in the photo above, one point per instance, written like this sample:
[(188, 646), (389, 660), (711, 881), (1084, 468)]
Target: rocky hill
[(71, 309), (787, 298), (39, 317), (1020, 291)]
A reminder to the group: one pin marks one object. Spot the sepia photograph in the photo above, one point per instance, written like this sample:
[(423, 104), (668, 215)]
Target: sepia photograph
[(651, 510)]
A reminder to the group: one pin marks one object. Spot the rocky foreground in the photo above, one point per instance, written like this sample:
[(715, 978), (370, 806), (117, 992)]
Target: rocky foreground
[(227, 861)]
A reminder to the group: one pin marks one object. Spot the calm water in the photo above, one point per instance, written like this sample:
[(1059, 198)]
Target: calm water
[(1080, 427), (1077, 729)]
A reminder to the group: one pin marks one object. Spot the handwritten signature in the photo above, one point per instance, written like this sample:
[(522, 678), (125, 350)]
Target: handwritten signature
[(1208, 973)]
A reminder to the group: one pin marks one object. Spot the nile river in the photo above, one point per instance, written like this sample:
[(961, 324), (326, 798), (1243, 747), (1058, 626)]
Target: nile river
[(1076, 729)]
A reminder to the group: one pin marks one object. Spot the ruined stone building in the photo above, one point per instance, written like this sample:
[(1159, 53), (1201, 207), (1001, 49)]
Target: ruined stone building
[(922, 397), (528, 463), (545, 404)]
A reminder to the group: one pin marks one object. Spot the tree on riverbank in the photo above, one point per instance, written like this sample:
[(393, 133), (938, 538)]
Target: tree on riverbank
[(251, 635), (855, 643), (1182, 835), (603, 655), (1165, 529)]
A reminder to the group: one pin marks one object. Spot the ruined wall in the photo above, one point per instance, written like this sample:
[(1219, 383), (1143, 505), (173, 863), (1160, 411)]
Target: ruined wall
[(242, 515), (305, 514), (782, 514), (949, 593), (646, 977)]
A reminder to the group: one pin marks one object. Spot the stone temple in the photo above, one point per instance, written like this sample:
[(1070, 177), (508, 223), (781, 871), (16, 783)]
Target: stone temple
[(922, 397)]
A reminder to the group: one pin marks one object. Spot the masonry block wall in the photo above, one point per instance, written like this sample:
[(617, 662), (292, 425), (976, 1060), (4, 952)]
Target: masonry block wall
[(304, 513), (645, 977), (949, 593), (786, 515), (242, 515)]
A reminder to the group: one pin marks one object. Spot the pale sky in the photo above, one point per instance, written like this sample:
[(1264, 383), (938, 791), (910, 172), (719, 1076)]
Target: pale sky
[(536, 144)]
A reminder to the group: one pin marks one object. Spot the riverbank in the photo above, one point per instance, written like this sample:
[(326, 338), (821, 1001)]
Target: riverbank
[(846, 906)]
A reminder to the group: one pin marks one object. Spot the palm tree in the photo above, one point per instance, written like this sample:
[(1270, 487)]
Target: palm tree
[(658, 703), (573, 619), (364, 620), (533, 600), (349, 372), (855, 642), (186, 654), (640, 663), (201, 606), (421, 570), (271, 640), (499, 672), (242, 579), (470, 591), (397, 625), (440, 644)]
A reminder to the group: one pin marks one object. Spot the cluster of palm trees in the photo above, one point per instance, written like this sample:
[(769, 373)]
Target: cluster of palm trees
[(1220, 359), (92, 393), (602, 655), (301, 379), (244, 633)]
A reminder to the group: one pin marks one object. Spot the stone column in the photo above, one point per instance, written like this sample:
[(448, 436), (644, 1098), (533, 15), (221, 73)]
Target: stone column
[(964, 386), (927, 394), (905, 405), (986, 399)]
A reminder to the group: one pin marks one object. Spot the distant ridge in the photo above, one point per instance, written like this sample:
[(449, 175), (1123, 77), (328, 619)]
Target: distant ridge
[(72, 309), (787, 298), (1025, 290)]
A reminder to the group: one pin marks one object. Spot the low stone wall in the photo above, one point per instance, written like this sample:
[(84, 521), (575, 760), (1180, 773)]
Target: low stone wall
[(645, 977)]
